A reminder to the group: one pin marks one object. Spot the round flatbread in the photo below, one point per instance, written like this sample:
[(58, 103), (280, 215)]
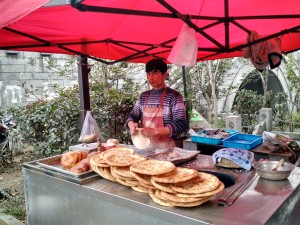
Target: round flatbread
[(204, 182), (162, 186), (123, 160), (189, 204), (97, 161), (157, 199), (119, 150), (105, 171), (175, 176), (180, 204), (123, 171), (139, 188), (206, 194), (147, 186), (175, 198), (152, 167), (139, 141), (141, 177)]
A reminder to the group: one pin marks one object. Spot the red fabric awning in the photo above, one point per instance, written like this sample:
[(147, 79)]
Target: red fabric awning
[(11, 11), (136, 30)]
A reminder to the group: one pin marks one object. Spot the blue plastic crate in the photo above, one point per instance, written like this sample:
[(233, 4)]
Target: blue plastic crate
[(210, 140), (245, 141)]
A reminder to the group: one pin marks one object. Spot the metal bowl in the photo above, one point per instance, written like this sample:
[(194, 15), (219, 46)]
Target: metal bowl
[(265, 170)]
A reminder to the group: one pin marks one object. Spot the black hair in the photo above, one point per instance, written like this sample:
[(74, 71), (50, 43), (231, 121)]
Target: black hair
[(156, 64)]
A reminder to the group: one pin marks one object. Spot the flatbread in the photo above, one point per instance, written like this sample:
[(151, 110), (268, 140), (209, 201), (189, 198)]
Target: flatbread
[(139, 141), (97, 161), (147, 186), (152, 167), (175, 176), (141, 177), (123, 182), (228, 164), (118, 150), (157, 199), (141, 189), (206, 194), (180, 204), (123, 171), (162, 186), (123, 160), (175, 198), (105, 171), (189, 204), (204, 182)]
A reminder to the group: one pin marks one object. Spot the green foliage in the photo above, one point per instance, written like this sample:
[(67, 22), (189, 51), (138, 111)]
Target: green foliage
[(51, 126), (16, 210), (280, 112), (296, 120), (247, 104)]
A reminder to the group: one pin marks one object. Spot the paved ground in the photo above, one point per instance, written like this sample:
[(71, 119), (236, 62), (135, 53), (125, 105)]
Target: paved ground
[(8, 220)]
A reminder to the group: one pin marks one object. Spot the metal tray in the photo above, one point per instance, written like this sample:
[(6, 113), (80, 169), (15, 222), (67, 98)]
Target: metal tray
[(175, 155), (53, 163)]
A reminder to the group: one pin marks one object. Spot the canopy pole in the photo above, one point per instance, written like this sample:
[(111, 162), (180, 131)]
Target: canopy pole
[(184, 82), (84, 90)]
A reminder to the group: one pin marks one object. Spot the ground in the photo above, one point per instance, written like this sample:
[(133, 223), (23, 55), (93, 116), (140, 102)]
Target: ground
[(12, 198)]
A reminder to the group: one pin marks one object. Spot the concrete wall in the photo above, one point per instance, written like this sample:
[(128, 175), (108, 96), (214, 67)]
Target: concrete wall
[(30, 69)]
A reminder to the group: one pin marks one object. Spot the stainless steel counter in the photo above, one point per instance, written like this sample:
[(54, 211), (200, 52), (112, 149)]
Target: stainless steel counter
[(53, 200)]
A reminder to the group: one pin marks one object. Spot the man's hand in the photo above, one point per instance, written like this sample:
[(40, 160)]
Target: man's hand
[(132, 127)]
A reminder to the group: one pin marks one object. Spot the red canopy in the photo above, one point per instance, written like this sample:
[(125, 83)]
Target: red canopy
[(136, 30), (14, 10)]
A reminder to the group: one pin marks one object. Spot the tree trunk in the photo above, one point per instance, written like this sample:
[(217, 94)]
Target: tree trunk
[(213, 93)]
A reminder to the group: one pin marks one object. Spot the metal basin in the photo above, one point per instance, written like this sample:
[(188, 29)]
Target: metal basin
[(264, 170)]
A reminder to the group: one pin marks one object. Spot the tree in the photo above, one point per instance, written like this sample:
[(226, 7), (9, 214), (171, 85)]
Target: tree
[(208, 77)]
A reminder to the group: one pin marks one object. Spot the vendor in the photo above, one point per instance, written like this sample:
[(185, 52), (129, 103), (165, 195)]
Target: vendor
[(161, 110)]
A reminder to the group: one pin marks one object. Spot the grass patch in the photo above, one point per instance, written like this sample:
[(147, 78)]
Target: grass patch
[(16, 210)]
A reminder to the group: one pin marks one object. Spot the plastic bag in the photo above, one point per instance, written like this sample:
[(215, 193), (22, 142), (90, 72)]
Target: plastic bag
[(90, 130), (185, 49)]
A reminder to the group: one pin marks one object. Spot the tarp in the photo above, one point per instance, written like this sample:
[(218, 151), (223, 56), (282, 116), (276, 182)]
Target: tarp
[(137, 30), (15, 10)]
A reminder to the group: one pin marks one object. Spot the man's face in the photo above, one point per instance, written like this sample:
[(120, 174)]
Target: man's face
[(156, 79)]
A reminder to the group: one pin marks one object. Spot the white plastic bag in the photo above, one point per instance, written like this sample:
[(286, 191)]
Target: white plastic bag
[(185, 49), (90, 130)]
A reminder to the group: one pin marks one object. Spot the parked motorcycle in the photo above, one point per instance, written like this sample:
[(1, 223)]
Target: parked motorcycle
[(6, 142)]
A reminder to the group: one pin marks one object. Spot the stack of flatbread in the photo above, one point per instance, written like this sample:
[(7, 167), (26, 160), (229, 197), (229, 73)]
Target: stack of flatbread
[(185, 188), (113, 165), (167, 184)]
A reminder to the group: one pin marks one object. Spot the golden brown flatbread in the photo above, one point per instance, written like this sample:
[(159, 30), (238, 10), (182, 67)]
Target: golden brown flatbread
[(97, 161), (123, 160), (228, 164), (175, 176), (139, 188), (204, 182), (141, 177), (163, 186), (105, 172), (152, 167), (118, 150), (157, 199), (123, 171), (147, 186), (158, 194), (175, 198), (206, 194)]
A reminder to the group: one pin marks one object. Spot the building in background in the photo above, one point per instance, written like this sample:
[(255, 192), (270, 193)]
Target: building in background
[(21, 71)]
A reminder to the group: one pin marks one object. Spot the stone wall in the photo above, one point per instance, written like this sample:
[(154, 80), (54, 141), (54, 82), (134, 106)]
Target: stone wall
[(21, 70)]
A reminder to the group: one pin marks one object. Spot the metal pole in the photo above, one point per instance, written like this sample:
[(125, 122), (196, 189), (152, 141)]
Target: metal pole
[(184, 82), (84, 91)]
